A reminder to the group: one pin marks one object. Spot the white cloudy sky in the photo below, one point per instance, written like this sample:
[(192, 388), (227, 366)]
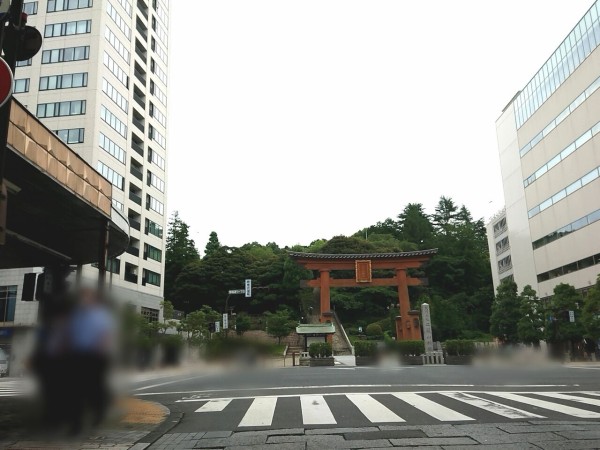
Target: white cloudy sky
[(297, 120)]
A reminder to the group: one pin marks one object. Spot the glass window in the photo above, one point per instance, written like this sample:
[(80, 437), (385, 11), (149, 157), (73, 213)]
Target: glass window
[(546, 204), (21, 86), (558, 197), (579, 223), (589, 177), (573, 187), (30, 8), (554, 161), (593, 217), (567, 151), (8, 303), (583, 139)]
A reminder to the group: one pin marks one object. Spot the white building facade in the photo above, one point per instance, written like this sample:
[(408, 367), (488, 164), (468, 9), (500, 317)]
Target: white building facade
[(100, 83), (550, 160)]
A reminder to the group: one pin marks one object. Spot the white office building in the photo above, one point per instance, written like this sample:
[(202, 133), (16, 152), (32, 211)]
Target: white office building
[(549, 145), (100, 83)]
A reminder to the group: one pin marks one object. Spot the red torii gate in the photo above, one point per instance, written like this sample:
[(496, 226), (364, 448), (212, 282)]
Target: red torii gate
[(407, 323)]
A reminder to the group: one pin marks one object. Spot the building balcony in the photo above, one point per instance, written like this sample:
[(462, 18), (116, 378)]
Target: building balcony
[(135, 198), (139, 100), (138, 148), (136, 173), (135, 224), (139, 125), (141, 77), (133, 251), (131, 277)]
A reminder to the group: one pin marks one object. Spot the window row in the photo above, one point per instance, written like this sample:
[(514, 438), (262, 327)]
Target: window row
[(113, 121), (126, 6), (66, 54), (157, 137), (65, 5), (161, 33), (68, 28), (154, 205), (116, 179), (161, 12), (573, 187), (500, 226), (156, 70), (149, 277), (151, 252), (502, 245), (155, 181), (116, 70), (21, 85), (576, 47), (155, 158), (115, 95), (30, 8), (71, 135), (504, 264), (566, 269), (156, 48), (567, 229), (562, 116), (117, 44), (575, 145), (158, 93), (68, 108), (118, 20), (24, 63), (118, 205), (154, 228), (66, 81), (158, 115), (8, 303), (111, 148)]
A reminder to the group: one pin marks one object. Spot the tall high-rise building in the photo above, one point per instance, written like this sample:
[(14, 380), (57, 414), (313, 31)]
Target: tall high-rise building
[(550, 160), (100, 83)]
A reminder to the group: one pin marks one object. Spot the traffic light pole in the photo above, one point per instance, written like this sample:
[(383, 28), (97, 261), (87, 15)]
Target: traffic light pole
[(14, 17)]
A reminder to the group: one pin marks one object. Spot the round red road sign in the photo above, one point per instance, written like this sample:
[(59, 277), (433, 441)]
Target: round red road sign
[(6, 82)]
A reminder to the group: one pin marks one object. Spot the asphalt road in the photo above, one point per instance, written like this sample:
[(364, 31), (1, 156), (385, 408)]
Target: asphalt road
[(353, 397)]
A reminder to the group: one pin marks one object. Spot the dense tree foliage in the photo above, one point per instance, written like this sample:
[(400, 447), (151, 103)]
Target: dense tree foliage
[(530, 327), (506, 312), (459, 290), (590, 316)]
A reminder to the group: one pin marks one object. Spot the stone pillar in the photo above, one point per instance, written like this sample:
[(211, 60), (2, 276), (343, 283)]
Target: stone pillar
[(325, 306), (428, 335), (404, 302)]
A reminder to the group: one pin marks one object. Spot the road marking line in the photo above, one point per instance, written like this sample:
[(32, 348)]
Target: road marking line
[(260, 413), (431, 408), (315, 410), (569, 410), (170, 382), (493, 407), (572, 398), (372, 409), (214, 406)]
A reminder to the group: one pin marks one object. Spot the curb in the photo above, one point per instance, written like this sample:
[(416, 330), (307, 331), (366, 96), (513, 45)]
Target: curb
[(170, 422)]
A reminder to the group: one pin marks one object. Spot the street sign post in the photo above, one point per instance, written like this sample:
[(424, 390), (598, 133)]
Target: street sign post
[(225, 321), (571, 316), (248, 288), (217, 326), (237, 291)]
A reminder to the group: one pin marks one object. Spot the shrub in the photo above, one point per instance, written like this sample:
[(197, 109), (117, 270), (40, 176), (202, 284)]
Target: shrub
[(459, 347), (374, 329), (320, 350), (365, 348), (411, 348)]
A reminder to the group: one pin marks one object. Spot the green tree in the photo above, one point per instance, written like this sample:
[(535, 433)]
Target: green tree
[(590, 316), (280, 324), (506, 313), (446, 213), (242, 324), (560, 330), (530, 327), (415, 226), (213, 245), (180, 251)]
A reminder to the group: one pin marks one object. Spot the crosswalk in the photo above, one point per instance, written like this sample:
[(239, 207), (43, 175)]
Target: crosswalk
[(397, 408), (13, 388)]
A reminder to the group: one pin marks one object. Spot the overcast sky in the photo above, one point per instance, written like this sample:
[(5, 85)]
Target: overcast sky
[(291, 121)]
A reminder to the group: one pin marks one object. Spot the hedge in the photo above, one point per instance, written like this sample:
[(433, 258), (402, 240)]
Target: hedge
[(374, 329), (365, 348), (410, 348), (320, 350), (459, 347)]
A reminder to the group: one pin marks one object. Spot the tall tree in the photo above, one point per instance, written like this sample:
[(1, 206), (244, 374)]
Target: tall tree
[(213, 245), (415, 225), (506, 313), (590, 316), (531, 324), (180, 252), (560, 330), (446, 213)]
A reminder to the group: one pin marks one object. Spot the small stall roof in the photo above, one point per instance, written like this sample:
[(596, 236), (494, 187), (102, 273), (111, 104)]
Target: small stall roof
[(315, 328)]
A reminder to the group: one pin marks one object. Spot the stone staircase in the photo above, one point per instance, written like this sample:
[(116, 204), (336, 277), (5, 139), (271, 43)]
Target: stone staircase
[(340, 344)]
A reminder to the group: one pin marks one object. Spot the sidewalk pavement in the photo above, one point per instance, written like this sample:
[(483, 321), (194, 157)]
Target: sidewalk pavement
[(131, 420)]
